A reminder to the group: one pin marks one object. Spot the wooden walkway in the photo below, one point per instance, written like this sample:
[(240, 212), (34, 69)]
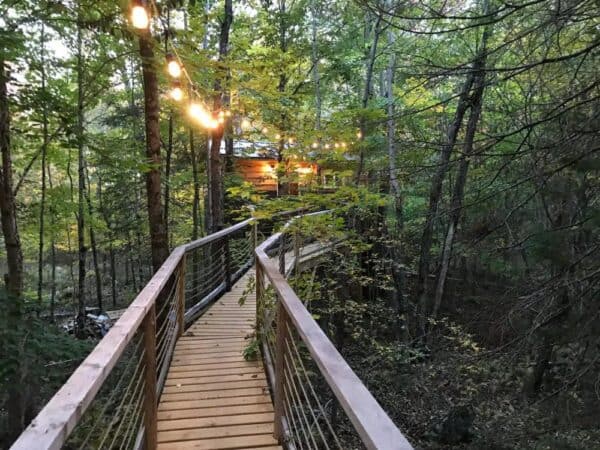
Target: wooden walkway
[(213, 398)]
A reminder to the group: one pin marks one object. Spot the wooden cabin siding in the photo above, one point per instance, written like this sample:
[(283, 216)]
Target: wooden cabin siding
[(262, 172)]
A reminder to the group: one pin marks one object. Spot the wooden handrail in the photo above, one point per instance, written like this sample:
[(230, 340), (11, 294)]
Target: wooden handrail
[(373, 425)]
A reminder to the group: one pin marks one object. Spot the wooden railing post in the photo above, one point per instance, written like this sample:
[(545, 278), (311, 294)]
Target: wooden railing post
[(296, 252), (150, 399), (255, 237), (260, 289), (282, 254), (181, 295), (227, 265), (280, 345)]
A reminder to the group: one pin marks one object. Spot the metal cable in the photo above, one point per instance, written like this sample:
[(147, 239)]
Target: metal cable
[(313, 391), (289, 379), (113, 394)]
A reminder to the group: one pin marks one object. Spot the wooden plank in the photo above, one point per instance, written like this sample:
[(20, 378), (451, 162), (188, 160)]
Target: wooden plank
[(226, 443), (194, 413), (215, 386), (214, 372), (205, 433), (214, 402), (204, 395), (187, 360), (204, 422), (214, 379), (215, 366)]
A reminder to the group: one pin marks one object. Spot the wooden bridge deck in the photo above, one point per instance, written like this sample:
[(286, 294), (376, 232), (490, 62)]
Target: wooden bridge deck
[(213, 398)]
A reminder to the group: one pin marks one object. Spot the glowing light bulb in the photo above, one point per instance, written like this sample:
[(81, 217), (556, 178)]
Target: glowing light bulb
[(315, 145), (176, 94), (245, 124), (336, 145), (139, 16), (203, 117), (174, 69), (359, 135), (277, 136), (291, 141), (344, 145), (327, 146), (264, 130)]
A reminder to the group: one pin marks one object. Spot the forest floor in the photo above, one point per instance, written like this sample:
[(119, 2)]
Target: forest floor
[(478, 384)]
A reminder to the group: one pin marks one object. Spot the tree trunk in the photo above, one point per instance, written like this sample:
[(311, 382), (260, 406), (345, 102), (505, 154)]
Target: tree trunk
[(16, 402), (434, 199), (158, 230), (79, 330), (370, 63), (216, 215), (44, 152), (168, 175), (394, 188), (476, 101), (95, 262), (196, 181), (315, 63)]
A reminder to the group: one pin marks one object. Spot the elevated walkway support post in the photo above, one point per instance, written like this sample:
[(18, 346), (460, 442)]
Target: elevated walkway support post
[(150, 398)]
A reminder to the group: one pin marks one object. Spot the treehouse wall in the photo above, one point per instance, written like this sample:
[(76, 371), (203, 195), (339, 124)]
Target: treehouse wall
[(262, 173)]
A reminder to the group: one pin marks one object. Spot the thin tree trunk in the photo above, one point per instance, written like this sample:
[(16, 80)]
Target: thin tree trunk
[(367, 92), (113, 276), (168, 175), (196, 181), (216, 215), (394, 187), (52, 255), (476, 101), (434, 199), (81, 183), (158, 231), (315, 63), (95, 262), (282, 188), (43, 155)]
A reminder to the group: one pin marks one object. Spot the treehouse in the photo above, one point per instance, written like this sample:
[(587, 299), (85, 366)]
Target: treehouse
[(257, 163)]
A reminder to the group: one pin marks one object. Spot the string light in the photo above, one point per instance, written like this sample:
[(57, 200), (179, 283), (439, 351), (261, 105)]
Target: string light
[(277, 136), (176, 93), (264, 130), (327, 146), (139, 15), (359, 135), (245, 124), (291, 141), (203, 117), (173, 66), (315, 145)]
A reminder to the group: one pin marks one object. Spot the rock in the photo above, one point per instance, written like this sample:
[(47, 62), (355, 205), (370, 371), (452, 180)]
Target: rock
[(456, 426)]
